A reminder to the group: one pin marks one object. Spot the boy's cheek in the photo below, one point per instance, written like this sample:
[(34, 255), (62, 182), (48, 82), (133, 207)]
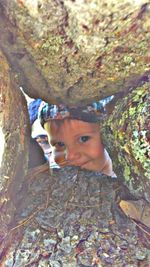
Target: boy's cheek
[(59, 157)]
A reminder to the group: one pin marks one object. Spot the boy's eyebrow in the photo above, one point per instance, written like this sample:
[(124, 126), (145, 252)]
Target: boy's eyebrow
[(86, 133)]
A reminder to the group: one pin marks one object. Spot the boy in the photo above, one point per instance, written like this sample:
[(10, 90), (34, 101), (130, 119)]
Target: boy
[(74, 134)]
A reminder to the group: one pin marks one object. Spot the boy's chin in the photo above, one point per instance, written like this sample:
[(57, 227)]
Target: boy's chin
[(91, 167)]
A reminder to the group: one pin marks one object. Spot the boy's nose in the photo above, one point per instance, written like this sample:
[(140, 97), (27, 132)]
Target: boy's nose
[(72, 154)]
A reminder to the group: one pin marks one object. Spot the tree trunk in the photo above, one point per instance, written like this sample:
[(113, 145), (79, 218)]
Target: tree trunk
[(15, 131), (75, 51), (126, 135)]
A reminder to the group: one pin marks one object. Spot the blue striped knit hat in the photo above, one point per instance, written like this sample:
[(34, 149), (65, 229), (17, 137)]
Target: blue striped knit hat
[(91, 113)]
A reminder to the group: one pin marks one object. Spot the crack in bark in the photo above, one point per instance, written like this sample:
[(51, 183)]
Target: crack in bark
[(22, 63)]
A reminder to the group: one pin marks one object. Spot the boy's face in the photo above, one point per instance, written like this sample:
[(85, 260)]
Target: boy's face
[(76, 143)]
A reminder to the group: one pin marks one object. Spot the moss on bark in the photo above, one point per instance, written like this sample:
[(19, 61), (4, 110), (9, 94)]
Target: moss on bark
[(126, 135)]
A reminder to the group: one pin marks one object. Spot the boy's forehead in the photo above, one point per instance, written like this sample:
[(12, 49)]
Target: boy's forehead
[(77, 126)]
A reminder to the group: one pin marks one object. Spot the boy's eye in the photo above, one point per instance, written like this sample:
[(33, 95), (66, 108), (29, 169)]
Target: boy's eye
[(84, 139), (59, 144)]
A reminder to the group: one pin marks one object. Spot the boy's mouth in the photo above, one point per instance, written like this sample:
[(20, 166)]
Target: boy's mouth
[(76, 164), (85, 165)]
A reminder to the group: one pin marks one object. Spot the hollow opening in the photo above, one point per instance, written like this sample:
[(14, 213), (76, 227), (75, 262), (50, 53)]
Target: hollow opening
[(68, 136)]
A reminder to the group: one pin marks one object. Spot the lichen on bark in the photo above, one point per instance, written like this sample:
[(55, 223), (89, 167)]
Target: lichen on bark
[(73, 52), (85, 50), (126, 133)]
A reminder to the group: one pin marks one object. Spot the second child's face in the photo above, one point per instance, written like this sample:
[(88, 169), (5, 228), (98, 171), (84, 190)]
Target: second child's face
[(76, 143)]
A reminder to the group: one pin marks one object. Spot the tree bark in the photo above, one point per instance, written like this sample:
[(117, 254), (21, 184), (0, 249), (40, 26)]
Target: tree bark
[(75, 52), (126, 135), (65, 51), (15, 128)]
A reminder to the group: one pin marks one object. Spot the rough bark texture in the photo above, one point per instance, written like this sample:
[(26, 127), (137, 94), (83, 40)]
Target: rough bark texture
[(76, 51), (15, 126), (72, 219), (127, 136)]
